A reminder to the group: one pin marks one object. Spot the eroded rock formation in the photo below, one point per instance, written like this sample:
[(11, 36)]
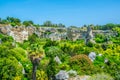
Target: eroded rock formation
[(89, 36)]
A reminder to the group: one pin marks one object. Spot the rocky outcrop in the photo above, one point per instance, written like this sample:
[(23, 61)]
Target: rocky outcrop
[(21, 33), (73, 34), (89, 36)]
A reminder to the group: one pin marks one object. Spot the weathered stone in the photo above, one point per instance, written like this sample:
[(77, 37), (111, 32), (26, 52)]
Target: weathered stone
[(72, 73), (89, 36), (21, 33), (92, 56), (62, 75), (57, 59)]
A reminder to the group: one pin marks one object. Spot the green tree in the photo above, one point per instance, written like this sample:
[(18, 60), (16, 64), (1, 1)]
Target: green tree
[(28, 23), (47, 24), (61, 25), (4, 21), (7, 39), (13, 21)]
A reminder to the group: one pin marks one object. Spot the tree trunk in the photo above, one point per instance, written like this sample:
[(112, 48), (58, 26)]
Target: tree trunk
[(34, 72)]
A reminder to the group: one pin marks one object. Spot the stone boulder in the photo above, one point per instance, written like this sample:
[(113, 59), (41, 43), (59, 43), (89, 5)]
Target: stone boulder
[(89, 36), (62, 75), (72, 73), (92, 56), (57, 59), (3, 30)]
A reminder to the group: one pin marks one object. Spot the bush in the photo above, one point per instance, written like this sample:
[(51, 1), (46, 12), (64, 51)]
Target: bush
[(82, 64), (50, 43), (7, 39), (90, 44), (41, 75), (53, 51), (52, 69), (10, 69), (100, 38), (102, 76)]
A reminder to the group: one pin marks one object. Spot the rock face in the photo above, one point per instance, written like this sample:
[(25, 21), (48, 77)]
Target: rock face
[(73, 34), (62, 75), (92, 56), (21, 33), (89, 36)]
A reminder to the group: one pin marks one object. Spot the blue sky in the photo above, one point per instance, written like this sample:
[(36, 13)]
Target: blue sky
[(68, 12)]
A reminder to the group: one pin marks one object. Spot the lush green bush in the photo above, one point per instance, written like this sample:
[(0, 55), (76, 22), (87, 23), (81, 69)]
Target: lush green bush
[(50, 43), (73, 48), (52, 70), (6, 39), (53, 51), (10, 69), (22, 57), (33, 38), (90, 44), (41, 75), (82, 64), (113, 67)]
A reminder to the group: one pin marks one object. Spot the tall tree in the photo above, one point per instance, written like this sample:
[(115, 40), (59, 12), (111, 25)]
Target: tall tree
[(28, 23), (61, 25), (13, 21), (47, 23), (35, 58)]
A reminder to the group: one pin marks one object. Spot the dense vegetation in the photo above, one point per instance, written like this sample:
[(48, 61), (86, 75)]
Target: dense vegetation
[(17, 22), (16, 64)]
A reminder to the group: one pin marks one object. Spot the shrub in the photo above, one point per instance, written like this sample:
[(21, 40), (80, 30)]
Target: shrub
[(82, 64), (33, 38), (7, 39), (10, 69), (90, 44), (50, 43), (53, 51), (67, 48), (102, 76), (52, 69), (41, 75)]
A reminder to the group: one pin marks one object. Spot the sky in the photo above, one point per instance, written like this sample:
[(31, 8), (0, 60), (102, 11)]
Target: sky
[(68, 12)]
